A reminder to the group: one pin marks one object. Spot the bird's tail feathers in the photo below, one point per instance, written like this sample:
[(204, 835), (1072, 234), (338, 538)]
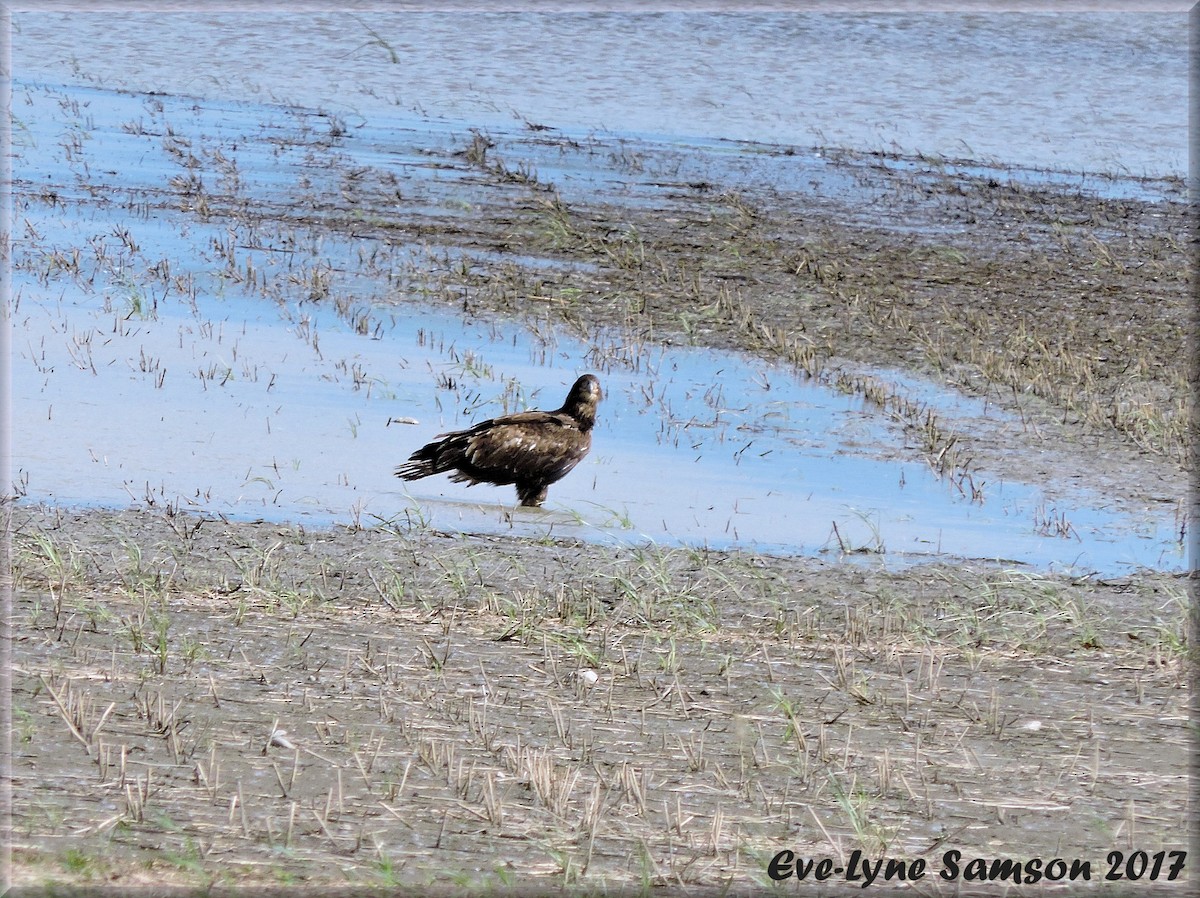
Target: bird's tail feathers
[(415, 470), (434, 458)]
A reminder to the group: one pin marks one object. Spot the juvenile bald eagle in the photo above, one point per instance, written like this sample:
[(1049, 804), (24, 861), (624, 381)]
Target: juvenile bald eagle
[(530, 449)]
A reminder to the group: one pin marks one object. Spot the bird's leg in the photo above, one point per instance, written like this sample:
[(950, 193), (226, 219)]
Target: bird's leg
[(530, 495)]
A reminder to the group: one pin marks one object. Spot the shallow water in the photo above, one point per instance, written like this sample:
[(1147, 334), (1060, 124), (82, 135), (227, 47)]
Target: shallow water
[(221, 401), (697, 447), (1082, 91)]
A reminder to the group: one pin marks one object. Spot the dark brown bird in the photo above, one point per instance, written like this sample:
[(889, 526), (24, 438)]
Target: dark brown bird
[(530, 449)]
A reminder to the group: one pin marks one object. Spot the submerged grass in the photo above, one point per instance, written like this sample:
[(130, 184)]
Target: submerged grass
[(1079, 333), (1063, 308)]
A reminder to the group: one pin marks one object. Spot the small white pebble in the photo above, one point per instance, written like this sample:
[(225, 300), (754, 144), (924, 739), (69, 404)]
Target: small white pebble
[(1033, 726)]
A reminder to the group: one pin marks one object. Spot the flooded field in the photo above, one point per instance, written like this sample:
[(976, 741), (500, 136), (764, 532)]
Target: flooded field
[(177, 348), (879, 547)]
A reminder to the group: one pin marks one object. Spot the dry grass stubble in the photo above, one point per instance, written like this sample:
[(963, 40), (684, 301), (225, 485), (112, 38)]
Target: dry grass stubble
[(211, 703)]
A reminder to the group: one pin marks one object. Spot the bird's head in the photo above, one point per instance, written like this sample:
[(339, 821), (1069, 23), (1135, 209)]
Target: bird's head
[(581, 402)]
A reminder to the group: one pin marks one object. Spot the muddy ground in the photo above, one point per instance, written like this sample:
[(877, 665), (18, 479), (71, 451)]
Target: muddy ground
[(480, 714), (208, 703)]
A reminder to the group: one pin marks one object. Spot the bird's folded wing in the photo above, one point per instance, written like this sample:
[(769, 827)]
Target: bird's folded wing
[(532, 445)]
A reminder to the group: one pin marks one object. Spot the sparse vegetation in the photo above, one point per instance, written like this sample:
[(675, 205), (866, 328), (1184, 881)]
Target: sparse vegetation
[(667, 714)]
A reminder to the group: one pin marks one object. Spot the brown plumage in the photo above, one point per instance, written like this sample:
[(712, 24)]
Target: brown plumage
[(530, 449)]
